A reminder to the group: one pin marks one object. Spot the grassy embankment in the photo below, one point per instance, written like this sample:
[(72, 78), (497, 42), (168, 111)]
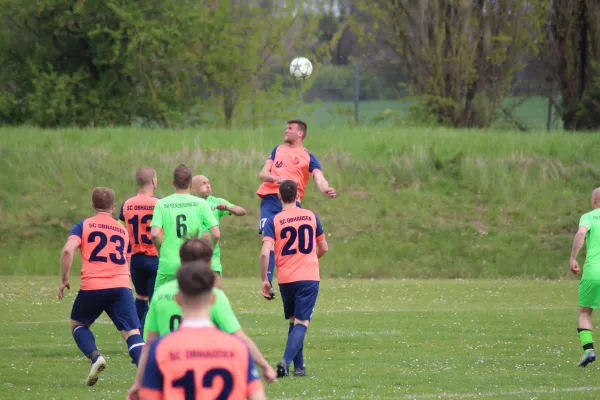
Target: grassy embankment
[(412, 202)]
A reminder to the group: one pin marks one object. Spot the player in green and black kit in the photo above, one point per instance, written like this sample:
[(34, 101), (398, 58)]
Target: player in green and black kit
[(220, 207), (164, 315), (176, 218), (589, 285)]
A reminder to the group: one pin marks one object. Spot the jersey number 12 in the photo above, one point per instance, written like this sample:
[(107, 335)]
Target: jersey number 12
[(188, 383)]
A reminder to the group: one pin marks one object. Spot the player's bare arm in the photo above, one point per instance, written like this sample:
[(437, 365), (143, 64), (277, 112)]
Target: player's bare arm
[(235, 210), (323, 185), (215, 234), (268, 371), (322, 247), (156, 234), (578, 242), (134, 390), (66, 262), (267, 247), (266, 175)]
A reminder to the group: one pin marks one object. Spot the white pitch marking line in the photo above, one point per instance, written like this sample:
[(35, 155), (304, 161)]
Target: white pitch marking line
[(506, 393)]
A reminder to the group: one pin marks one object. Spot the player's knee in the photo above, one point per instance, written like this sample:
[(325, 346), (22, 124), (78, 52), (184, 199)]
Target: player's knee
[(127, 334), (304, 322), (292, 319), (75, 324), (585, 310), (140, 297)]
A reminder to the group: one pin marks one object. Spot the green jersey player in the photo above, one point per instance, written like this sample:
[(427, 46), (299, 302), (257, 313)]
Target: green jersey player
[(589, 285), (176, 218), (220, 207), (166, 312)]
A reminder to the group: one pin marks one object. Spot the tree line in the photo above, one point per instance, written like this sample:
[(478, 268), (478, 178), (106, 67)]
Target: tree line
[(224, 62)]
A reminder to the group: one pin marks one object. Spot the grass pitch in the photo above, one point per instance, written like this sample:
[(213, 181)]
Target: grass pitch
[(375, 339)]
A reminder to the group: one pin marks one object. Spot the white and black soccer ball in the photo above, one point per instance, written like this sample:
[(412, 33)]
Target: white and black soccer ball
[(301, 68)]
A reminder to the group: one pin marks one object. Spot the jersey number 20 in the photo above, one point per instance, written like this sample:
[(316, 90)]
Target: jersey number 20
[(305, 235), (188, 383)]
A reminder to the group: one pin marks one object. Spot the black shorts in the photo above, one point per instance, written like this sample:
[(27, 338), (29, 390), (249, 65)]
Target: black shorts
[(116, 302), (299, 299)]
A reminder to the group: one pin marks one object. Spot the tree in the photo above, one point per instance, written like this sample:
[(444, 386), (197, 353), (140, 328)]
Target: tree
[(247, 49), (94, 62), (572, 51), (460, 55)]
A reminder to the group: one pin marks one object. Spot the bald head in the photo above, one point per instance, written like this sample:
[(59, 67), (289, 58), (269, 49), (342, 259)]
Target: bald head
[(201, 186), (145, 176), (596, 198)]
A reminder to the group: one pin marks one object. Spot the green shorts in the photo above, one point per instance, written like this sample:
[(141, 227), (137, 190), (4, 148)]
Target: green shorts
[(161, 279), (589, 293)]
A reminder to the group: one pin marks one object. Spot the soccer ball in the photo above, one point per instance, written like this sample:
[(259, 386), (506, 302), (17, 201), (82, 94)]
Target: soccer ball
[(301, 68)]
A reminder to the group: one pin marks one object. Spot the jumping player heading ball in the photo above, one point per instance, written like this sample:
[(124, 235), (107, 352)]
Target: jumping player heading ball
[(289, 161)]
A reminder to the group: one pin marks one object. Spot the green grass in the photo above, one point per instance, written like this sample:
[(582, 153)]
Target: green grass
[(412, 202), (379, 339)]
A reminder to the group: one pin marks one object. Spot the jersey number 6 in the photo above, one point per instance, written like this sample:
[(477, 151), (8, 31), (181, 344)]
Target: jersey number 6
[(305, 235)]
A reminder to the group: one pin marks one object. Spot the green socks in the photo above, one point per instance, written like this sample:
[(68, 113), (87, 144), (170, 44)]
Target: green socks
[(585, 338)]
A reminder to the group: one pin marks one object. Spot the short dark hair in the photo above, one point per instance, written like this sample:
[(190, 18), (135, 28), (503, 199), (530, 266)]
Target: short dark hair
[(195, 279), (301, 125), (103, 198), (195, 249), (182, 177), (288, 191), (144, 176)]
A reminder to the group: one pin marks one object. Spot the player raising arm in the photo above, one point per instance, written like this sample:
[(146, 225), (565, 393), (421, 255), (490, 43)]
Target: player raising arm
[(288, 161), (105, 249), (589, 285), (198, 361), (220, 207), (136, 215), (297, 237), (165, 315), (177, 217)]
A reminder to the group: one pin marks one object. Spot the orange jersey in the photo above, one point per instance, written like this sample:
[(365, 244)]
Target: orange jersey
[(290, 163), (105, 247), (137, 213), (295, 232), (199, 362)]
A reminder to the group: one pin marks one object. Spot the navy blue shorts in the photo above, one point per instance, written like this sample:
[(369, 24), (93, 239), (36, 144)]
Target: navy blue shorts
[(299, 299), (116, 302), (270, 206), (143, 273)]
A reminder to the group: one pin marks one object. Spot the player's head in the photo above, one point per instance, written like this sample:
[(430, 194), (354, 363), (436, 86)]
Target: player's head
[(103, 199), (596, 198), (182, 177), (145, 177), (201, 186), (288, 192), (195, 249), (195, 280), (295, 131)]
